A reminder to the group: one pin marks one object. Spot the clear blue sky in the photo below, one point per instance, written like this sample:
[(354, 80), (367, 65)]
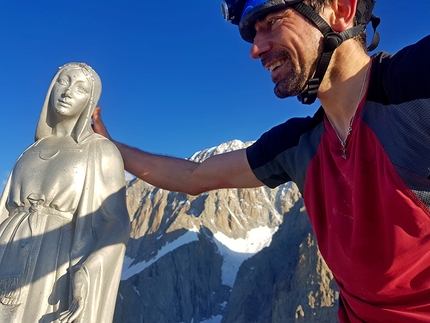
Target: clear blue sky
[(176, 77)]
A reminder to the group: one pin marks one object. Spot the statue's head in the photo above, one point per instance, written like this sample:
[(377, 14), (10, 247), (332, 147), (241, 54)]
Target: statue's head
[(74, 93)]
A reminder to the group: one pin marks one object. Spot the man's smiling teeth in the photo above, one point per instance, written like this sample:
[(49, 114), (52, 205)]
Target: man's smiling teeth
[(275, 65)]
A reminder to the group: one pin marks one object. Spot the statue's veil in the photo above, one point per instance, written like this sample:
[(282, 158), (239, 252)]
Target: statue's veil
[(83, 127)]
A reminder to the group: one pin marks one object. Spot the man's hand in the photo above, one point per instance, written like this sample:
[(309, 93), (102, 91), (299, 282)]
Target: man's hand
[(98, 125)]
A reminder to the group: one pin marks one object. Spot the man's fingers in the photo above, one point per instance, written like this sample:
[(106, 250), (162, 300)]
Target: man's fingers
[(97, 113)]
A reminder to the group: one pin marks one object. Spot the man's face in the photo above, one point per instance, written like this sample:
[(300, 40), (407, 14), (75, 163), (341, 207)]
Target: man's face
[(288, 46)]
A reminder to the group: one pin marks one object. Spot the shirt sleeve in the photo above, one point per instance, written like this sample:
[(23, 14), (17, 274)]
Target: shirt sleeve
[(273, 157)]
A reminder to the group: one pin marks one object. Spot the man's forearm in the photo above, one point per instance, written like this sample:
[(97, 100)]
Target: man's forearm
[(170, 173)]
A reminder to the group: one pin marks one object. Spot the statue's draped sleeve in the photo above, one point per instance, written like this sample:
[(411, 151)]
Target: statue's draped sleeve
[(102, 229)]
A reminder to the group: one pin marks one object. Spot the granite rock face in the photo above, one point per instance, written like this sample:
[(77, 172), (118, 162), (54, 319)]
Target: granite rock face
[(230, 256)]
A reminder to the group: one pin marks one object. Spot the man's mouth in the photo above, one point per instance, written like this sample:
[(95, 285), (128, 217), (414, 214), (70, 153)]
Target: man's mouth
[(275, 65)]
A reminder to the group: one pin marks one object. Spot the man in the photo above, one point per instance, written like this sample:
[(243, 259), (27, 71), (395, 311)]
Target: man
[(362, 162)]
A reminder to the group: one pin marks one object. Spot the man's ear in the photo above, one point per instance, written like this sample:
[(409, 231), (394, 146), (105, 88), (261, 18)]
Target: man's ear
[(342, 13)]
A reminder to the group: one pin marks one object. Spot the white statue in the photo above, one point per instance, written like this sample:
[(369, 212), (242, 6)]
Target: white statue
[(63, 217)]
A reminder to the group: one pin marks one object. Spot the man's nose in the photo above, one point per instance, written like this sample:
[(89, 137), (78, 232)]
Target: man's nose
[(259, 46)]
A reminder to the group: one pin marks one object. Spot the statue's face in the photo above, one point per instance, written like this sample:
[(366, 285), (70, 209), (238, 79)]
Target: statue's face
[(70, 93)]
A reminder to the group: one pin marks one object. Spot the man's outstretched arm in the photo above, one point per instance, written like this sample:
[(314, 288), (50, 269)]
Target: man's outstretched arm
[(226, 170)]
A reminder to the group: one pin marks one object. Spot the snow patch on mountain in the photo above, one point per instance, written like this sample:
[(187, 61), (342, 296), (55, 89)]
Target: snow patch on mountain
[(236, 251), (129, 270)]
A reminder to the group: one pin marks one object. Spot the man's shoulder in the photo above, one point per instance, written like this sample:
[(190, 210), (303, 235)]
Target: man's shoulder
[(401, 77)]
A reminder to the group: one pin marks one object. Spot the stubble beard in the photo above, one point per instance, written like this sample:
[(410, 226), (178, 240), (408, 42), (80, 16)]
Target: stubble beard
[(292, 84), (295, 82)]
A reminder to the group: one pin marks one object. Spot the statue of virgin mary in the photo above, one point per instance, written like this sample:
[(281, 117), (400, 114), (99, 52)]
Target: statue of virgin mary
[(63, 217)]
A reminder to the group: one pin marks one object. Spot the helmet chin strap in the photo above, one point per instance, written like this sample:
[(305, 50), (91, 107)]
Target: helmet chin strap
[(332, 40)]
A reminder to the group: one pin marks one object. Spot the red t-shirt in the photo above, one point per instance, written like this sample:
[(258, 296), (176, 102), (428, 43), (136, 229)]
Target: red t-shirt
[(370, 211), (372, 230)]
